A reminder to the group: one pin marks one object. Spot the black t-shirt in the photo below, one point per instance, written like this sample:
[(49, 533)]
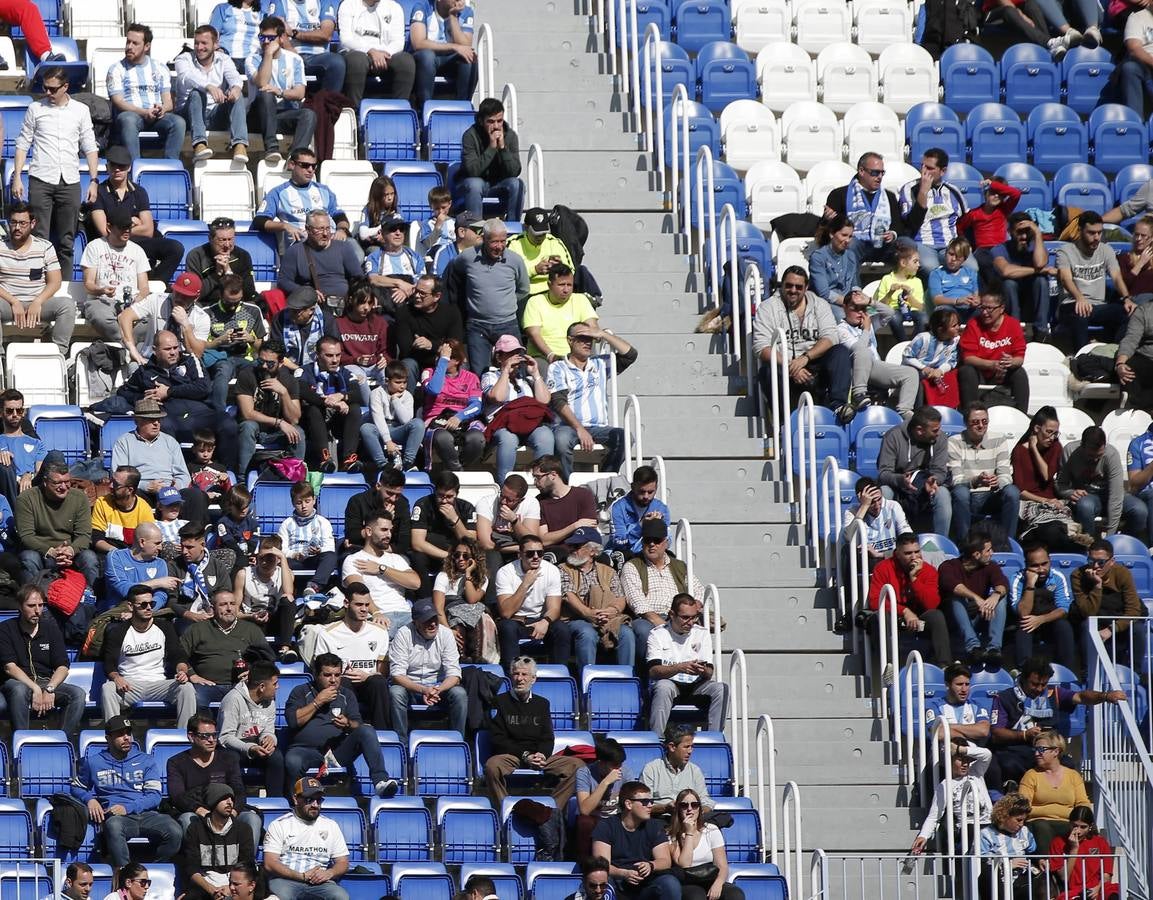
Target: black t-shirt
[(630, 847), (266, 402), (135, 200), (426, 514), (40, 656)]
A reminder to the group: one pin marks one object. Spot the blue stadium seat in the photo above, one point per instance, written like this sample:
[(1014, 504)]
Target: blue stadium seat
[(79, 243), (831, 439), (285, 685), (113, 428), (872, 415), (12, 109), (1066, 563), (649, 12), (416, 487), (1118, 137), (444, 123), (16, 839), (1057, 137), (724, 74), (333, 501), (728, 187), (559, 688), (703, 131), (441, 763), (168, 185), (52, 12), (1134, 556), (413, 179), (469, 831), (519, 836), (641, 748), (612, 697), (934, 686), (163, 744), (715, 757), (24, 881), (422, 881), (759, 881), (743, 837), (370, 885), (46, 832), (389, 130), (503, 875), (403, 829), (1086, 74), (867, 445), (996, 134), (1011, 563), (350, 818), (62, 428), (551, 880), (44, 761), (930, 125), (188, 238), (969, 76), (1034, 186), (272, 504), (262, 248), (1130, 180), (395, 762), (676, 68), (967, 180), (101, 879), (942, 543), (699, 22), (751, 245), (1084, 186), (1029, 77), (987, 684)]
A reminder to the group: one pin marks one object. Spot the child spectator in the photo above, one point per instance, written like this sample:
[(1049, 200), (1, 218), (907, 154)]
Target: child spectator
[(307, 539), (381, 207), (954, 285), (988, 224), (262, 588), (934, 355), (207, 474), (236, 529), (901, 295), (452, 404), (396, 434), (168, 506), (440, 228)]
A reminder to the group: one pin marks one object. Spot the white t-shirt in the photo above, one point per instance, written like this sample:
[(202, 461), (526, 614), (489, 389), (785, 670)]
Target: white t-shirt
[(1139, 26), (359, 649), (156, 309), (711, 839), (669, 648), (305, 845), (529, 509), (118, 268), (142, 657), (385, 594), (452, 588), (509, 577)]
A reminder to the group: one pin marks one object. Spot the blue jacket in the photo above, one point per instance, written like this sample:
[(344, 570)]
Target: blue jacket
[(122, 570), (133, 782), (626, 518)]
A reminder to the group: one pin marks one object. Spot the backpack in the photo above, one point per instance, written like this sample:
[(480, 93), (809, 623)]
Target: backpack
[(949, 22), (101, 111), (572, 229)]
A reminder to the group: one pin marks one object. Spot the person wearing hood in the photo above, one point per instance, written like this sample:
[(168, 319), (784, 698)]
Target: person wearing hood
[(213, 844)]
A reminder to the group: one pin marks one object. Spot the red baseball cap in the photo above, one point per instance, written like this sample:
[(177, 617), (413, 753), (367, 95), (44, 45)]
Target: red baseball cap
[(187, 284)]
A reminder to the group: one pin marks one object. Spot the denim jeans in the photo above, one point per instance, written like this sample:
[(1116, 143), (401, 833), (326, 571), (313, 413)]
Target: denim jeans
[(586, 641), (207, 694), (455, 700), (1035, 287), (539, 443), (1134, 514), (479, 338), (969, 623), (1088, 13), (222, 373), (250, 433), (409, 436), (662, 887), (1134, 81), (460, 73), (69, 700), (34, 565), (128, 126), (1005, 501), (328, 68), (941, 505), (361, 741), (1058, 634), (271, 118), (162, 832), (230, 113), (298, 890), (641, 628), (612, 439), (1110, 317), (469, 194)]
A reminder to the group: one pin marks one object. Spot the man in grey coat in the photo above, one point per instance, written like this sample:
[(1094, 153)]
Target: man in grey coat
[(913, 468), (1134, 360), (1093, 477)]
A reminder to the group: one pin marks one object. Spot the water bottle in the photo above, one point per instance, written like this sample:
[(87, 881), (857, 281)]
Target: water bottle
[(909, 865), (903, 304), (878, 236)]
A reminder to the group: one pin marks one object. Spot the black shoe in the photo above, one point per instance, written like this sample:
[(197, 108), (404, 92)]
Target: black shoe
[(53, 58), (1010, 787), (993, 659)]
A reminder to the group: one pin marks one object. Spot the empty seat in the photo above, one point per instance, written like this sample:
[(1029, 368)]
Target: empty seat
[(1084, 186), (15, 829), (261, 246), (675, 68), (395, 763), (444, 123), (1130, 180), (786, 75), (996, 135), (970, 77), (351, 189), (699, 22), (751, 245), (898, 173), (168, 185), (98, 18), (44, 761), (715, 757), (389, 130), (818, 23), (930, 125), (773, 189), (1035, 190), (422, 881), (811, 134), (873, 128), (908, 76), (728, 188), (612, 697), (403, 829), (967, 180), (845, 76), (759, 881), (880, 24), (441, 762), (749, 134), (38, 371), (1057, 137), (164, 17), (12, 110), (792, 252), (469, 831), (822, 179), (62, 428), (724, 74), (1029, 76), (228, 193), (1086, 74), (761, 22), (1118, 137)]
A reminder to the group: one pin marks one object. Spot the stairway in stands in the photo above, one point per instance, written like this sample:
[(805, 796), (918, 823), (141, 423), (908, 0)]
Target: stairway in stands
[(694, 415)]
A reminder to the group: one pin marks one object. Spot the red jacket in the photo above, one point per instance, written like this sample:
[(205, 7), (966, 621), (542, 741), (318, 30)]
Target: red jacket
[(990, 227), (979, 342), (920, 594)]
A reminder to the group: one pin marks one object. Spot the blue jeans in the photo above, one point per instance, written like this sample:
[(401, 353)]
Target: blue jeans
[(1134, 80), (410, 435), (207, 694), (455, 701), (539, 443), (1134, 514), (162, 832), (1088, 13), (662, 887), (612, 439), (250, 433), (329, 70), (460, 73), (586, 640), (128, 126), (469, 194), (1109, 316), (298, 890), (222, 373), (34, 564), (968, 623), (69, 700), (1005, 501), (1035, 287), (234, 114), (479, 338), (361, 741)]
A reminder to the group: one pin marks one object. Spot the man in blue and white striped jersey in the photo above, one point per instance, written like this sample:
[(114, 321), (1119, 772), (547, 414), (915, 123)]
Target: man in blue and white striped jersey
[(140, 90)]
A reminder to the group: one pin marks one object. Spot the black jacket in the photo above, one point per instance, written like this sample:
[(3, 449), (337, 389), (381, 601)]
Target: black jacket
[(40, 656), (206, 851), (367, 502), (201, 261), (904, 226), (522, 727), (185, 381)]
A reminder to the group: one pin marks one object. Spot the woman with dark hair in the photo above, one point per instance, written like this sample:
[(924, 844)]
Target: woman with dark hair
[(237, 24), (698, 850), (134, 883), (245, 882), (452, 405), (382, 200), (835, 265), (458, 595), (1043, 516), (1082, 877)]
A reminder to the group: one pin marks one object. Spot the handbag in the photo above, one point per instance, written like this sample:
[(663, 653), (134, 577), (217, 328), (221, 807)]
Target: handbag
[(700, 876)]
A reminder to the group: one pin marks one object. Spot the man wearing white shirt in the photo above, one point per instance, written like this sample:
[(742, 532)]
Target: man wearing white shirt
[(208, 95), (387, 575), (140, 91), (363, 645), (176, 311), (276, 88), (678, 668), (425, 667), (528, 596), (304, 852), (115, 275), (372, 42), (57, 130)]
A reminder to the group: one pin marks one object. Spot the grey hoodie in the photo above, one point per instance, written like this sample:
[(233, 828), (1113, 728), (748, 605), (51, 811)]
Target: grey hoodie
[(802, 333), (242, 722), (899, 455), (1104, 477), (1138, 334)]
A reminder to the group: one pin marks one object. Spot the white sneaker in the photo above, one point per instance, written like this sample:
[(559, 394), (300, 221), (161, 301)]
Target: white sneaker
[(1072, 38), (1092, 38), (387, 788), (273, 159), (1057, 48)]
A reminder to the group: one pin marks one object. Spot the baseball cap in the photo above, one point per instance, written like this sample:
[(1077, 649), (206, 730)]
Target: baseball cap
[(307, 787), (536, 221), (168, 496), (422, 611), (656, 529), (302, 298), (187, 284), (586, 535), (118, 156), (396, 220), (466, 220), (120, 218), (117, 724), (506, 343)]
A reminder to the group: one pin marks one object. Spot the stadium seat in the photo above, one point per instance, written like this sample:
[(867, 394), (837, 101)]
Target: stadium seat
[(1130, 180), (395, 762), (44, 761), (1008, 423), (743, 837), (24, 881), (445, 121), (751, 245), (229, 193), (503, 875), (787, 75), (641, 748), (403, 829), (761, 881), (792, 252), (703, 130), (818, 23), (970, 77), (551, 880), (1086, 74), (350, 180), (261, 246), (830, 438), (715, 757), (773, 189), (422, 881), (898, 173), (930, 125), (823, 178), (413, 178), (650, 12), (612, 697), (441, 763), (675, 67), (1084, 186), (51, 12), (350, 819), (996, 135), (868, 444), (908, 76), (114, 427), (286, 682), (1121, 426), (845, 76), (1034, 186), (271, 504), (728, 187), (333, 501), (468, 828), (16, 836), (760, 22), (724, 74), (880, 24), (1029, 77), (872, 128), (811, 134), (389, 130), (39, 371), (1073, 422), (1134, 555), (163, 744), (98, 18), (62, 428), (1057, 137), (1118, 137), (700, 22)]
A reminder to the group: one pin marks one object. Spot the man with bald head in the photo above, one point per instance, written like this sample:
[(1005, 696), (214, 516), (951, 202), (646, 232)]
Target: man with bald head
[(139, 564), (214, 645)]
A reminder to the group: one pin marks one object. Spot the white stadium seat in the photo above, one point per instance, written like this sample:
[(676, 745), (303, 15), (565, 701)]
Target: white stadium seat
[(792, 252), (1073, 422), (898, 173), (760, 22), (95, 19), (1093, 390), (350, 180), (164, 17), (226, 193), (1007, 422), (345, 139), (818, 23), (908, 76), (749, 134), (846, 76), (811, 134), (1048, 385), (786, 75), (37, 370), (873, 128), (773, 189), (881, 23), (823, 178)]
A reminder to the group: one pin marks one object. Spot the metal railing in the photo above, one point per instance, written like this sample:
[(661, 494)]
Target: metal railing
[(485, 70), (703, 173), (654, 100), (634, 440), (807, 467), (751, 292), (712, 623), (534, 176), (828, 526), (766, 743), (887, 637), (1131, 650), (629, 70), (779, 403), (739, 721), (683, 546), (721, 252), (681, 162), (792, 860), (909, 695), (511, 104)]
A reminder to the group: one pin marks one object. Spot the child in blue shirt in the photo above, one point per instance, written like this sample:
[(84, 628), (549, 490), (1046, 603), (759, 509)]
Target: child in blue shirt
[(955, 284), (440, 228), (236, 529)]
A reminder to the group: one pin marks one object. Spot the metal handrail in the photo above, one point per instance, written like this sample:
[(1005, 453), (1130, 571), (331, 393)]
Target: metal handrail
[(712, 619), (739, 720), (853, 588), (508, 99), (630, 70), (653, 123), (914, 698), (610, 18), (730, 256), (782, 424), (484, 62), (752, 287), (703, 172), (829, 518), (534, 176), (658, 463), (790, 852), (887, 611), (634, 442), (683, 546), (768, 832), (940, 738), (681, 163), (807, 464)]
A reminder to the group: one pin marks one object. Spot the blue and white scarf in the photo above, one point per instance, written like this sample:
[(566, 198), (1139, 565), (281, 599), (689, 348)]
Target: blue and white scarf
[(867, 218)]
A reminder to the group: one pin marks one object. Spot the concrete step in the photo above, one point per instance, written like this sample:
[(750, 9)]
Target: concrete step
[(746, 535), (513, 62), (646, 324), (654, 222), (694, 407), (723, 436), (794, 627), (842, 771), (746, 471), (781, 705), (859, 730), (852, 827), (559, 130), (818, 666), (724, 501), (688, 345), (633, 287), (652, 381)]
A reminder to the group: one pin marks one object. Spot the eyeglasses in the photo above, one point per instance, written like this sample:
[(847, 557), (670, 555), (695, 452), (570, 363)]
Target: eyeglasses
[(206, 735), (1098, 563), (581, 339), (268, 38), (1039, 751), (594, 888), (462, 556), (532, 554), (308, 801), (305, 165), (320, 229), (55, 90), (689, 804), (991, 306), (876, 173), (790, 286)]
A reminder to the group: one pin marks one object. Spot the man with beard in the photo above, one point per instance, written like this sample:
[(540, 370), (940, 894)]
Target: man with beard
[(305, 852), (236, 331)]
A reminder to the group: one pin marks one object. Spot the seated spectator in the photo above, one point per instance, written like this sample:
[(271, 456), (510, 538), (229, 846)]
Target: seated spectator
[(819, 364), (598, 787), (594, 602), (21, 454), (678, 666), (698, 848), (982, 475), (305, 854), (944, 204), (277, 85), (386, 574), (974, 587), (393, 267), (1040, 597), (549, 314), (424, 666), (372, 42), (120, 785), (363, 645), (437, 229), (247, 724), (876, 223), (381, 208), (579, 385), (54, 523), (207, 763), (1082, 267), (1092, 478), (672, 772), (1006, 841), (35, 664), (1136, 69), (912, 468), (140, 91), (528, 597), (264, 589), (835, 266), (499, 528), (452, 408), (169, 504), (324, 717), (1022, 264), (933, 354), (441, 33), (115, 275), (855, 333), (284, 207), (268, 406), (987, 224), (915, 583), (992, 353), (387, 498), (516, 379), (236, 331), (1135, 262), (141, 322), (214, 843), (1104, 588), (308, 543), (1134, 360), (201, 575), (78, 881), (324, 268), (30, 279), (1067, 863), (969, 764), (563, 508), (489, 164), (217, 258), (209, 95), (439, 521), (631, 511), (130, 566), (1051, 788), (214, 645), (117, 515), (637, 847), (900, 295), (883, 520), (968, 721), (953, 284), (595, 880), (312, 30), (364, 337), (459, 597), (208, 473), (522, 738), (330, 406), (237, 529), (540, 250), (423, 326), (466, 227), (1036, 460)]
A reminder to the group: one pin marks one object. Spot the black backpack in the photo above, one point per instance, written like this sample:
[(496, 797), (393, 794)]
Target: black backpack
[(568, 225), (949, 22)]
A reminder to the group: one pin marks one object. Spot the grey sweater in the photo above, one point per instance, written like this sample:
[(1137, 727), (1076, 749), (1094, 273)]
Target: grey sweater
[(1104, 477), (243, 723), (492, 289), (802, 332), (899, 454), (1138, 334)]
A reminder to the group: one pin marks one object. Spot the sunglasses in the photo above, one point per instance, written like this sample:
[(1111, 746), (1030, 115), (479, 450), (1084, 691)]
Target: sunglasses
[(305, 165), (1038, 751), (143, 882), (532, 554), (643, 801), (876, 173), (689, 804), (268, 38), (462, 556), (55, 90), (222, 222), (206, 736), (145, 604)]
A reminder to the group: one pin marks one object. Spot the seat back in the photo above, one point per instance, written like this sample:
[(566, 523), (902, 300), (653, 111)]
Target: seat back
[(1118, 137), (970, 77), (761, 22), (725, 74), (786, 75), (333, 502), (403, 832), (1084, 186), (389, 130), (699, 22), (1086, 74), (931, 125), (1057, 137), (1030, 77), (445, 121), (997, 136)]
